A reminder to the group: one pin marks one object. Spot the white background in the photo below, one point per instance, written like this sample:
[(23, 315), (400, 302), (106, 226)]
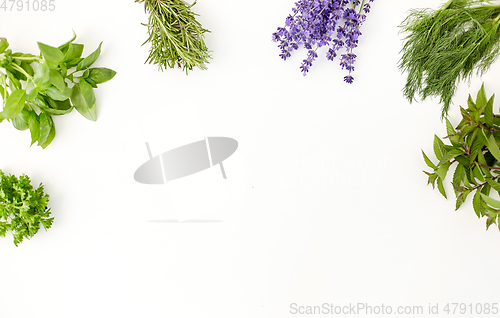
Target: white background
[(325, 200)]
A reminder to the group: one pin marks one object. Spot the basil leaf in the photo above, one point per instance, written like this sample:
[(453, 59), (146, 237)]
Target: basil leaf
[(57, 112), (101, 75), (27, 67), (56, 94), (13, 80), (50, 137), (73, 62), (32, 94), (87, 92), (74, 52), (53, 56), (40, 102), (66, 45), (36, 87), (91, 82), (53, 107), (59, 107), (18, 75), (21, 121), (64, 71), (15, 103), (42, 74), (56, 79), (34, 125), (3, 45), (89, 60), (83, 100), (46, 127)]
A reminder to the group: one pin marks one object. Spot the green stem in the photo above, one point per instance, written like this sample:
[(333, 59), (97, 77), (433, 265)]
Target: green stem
[(4, 85), (20, 69), (24, 58), (446, 5), (493, 168), (496, 19), (482, 184), (361, 7)]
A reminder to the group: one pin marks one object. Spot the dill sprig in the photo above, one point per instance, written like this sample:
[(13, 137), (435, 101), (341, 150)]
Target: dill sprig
[(175, 36), (446, 45)]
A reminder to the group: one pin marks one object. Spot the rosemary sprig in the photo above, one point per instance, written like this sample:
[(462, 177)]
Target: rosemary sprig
[(175, 36), (445, 46)]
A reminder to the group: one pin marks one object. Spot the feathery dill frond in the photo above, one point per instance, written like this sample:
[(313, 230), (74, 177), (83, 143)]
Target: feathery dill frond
[(446, 45)]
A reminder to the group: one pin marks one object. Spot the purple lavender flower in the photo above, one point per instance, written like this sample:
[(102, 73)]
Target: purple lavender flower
[(306, 64), (331, 54), (366, 8), (347, 61), (348, 79), (333, 24)]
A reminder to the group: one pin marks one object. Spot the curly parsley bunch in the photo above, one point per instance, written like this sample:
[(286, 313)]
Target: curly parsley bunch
[(22, 208)]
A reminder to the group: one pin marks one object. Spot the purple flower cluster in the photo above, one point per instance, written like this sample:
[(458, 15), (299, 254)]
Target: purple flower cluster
[(318, 23)]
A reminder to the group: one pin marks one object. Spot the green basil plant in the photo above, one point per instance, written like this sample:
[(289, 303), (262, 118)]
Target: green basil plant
[(36, 87)]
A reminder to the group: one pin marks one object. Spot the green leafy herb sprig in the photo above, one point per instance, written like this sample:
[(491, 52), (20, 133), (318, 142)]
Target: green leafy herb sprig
[(62, 81), (445, 46), (22, 208), (175, 36), (475, 149)]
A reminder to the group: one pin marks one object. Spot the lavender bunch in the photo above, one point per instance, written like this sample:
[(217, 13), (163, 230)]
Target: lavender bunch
[(318, 23)]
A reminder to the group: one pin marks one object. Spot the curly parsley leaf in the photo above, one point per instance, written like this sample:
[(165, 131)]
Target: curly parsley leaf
[(22, 208)]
